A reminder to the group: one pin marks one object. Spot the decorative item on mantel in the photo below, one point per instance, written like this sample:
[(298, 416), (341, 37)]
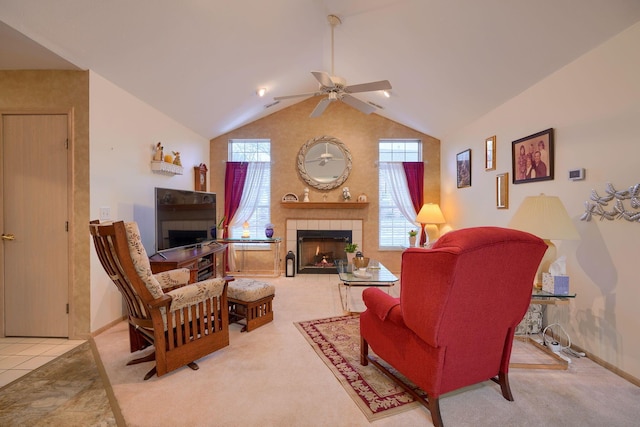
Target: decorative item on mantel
[(619, 210), (346, 195), (177, 160), (306, 195), (290, 197), (362, 198)]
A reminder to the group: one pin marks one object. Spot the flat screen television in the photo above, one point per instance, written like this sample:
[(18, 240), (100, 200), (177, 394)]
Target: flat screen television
[(184, 218)]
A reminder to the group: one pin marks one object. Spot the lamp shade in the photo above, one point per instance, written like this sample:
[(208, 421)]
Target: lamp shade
[(545, 217), (430, 213)]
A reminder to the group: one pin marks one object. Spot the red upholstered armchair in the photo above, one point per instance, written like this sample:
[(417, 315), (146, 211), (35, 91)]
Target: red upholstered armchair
[(459, 305)]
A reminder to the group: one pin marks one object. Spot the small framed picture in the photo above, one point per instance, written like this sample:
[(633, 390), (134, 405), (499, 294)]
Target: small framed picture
[(490, 153), (463, 168), (502, 191), (532, 157)]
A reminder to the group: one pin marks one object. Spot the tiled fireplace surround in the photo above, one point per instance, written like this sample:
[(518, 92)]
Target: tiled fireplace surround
[(293, 225)]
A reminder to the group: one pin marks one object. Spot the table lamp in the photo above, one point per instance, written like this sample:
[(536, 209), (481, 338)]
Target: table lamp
[(430, 215), (545, 217)]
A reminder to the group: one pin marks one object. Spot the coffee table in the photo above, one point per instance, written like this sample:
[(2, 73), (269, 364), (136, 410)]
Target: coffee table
[(376, 275)]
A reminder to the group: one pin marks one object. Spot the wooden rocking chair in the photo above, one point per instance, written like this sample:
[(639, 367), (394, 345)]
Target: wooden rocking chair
[(184, 322)]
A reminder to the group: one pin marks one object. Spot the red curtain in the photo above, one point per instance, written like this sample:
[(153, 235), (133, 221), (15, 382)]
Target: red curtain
[(235, 176), (415, 181)]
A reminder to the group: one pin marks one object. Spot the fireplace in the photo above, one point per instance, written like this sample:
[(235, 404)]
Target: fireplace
[(323, 239), (319, 250)]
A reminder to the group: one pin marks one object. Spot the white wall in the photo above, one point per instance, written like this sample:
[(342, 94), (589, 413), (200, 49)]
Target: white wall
[(593, 104), (123, 132)]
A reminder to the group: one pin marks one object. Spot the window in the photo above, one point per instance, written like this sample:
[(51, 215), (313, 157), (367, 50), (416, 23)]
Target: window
[(393, 227), (254, 150)]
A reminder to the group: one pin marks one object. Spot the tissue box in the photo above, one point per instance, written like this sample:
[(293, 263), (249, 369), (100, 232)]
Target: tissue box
[(558, 285)]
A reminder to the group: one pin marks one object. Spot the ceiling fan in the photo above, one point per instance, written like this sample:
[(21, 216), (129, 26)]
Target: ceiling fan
[(336, 87), (325, 157)]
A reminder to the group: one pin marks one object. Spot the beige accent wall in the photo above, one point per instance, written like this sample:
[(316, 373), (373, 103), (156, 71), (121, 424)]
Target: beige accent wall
[(290, 128), (68, 92)]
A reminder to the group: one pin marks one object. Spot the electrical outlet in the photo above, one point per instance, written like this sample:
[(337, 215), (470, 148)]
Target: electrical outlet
[(105, 213)]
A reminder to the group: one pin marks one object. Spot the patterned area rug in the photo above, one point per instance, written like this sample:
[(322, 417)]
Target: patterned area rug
[(337, 341)]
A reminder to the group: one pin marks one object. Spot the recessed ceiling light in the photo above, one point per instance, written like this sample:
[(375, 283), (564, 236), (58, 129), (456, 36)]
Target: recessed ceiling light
[(386, 93), (261, 91)]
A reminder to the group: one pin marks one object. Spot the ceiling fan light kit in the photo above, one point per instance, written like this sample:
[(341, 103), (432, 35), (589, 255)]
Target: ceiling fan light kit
[(336, 88)]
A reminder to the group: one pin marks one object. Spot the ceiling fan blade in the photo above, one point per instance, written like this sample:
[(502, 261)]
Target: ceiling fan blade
[(323, 78), (368, 87), (280, 98), (358, 104), (322, 105)]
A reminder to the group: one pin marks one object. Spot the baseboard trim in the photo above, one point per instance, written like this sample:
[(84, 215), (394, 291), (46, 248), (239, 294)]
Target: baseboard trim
[(107, 326), (619, 372)]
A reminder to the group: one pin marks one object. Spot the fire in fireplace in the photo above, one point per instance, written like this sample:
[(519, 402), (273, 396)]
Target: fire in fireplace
[(319, 250)]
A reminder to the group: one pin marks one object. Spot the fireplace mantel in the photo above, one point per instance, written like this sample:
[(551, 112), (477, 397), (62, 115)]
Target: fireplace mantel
[(324, 205)]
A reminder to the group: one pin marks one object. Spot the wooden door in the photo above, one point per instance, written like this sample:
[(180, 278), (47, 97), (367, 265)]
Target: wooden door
[(35, 266)]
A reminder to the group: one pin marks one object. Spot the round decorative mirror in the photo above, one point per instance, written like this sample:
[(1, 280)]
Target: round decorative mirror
[(324, 162)]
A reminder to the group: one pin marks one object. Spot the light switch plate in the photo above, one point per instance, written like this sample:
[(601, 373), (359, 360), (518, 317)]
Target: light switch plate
[(105, 213)]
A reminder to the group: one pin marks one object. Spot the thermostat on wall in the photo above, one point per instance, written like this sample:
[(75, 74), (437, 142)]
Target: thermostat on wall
[(576, 174)]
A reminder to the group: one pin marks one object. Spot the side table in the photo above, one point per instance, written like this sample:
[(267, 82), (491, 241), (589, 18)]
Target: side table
[(546, 299), (246, 246)]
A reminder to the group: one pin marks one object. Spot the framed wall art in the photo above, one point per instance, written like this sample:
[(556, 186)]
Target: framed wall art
[(463, 168), (490, 153), (502, 191), (532, 157)]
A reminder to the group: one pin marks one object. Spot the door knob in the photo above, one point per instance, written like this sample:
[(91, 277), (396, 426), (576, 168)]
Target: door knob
[(8, 237)]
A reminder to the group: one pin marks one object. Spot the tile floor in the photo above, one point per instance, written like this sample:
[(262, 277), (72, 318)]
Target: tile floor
[(19, 356)]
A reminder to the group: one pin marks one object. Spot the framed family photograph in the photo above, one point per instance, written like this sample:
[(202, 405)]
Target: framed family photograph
[(490, 154), (532, 157), (463, 168)]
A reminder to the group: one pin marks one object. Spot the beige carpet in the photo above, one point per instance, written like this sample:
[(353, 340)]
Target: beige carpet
[(272, 377)]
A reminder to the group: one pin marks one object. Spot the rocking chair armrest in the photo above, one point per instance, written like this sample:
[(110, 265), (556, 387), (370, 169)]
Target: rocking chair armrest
[(163, 301), (173, 278), (196, 292)]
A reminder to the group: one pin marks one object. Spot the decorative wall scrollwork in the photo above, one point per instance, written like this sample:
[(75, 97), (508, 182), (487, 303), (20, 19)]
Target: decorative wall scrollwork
[(598, 204)]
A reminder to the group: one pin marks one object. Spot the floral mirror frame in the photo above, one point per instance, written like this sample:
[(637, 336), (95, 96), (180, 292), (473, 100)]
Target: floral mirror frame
[(324, 162)]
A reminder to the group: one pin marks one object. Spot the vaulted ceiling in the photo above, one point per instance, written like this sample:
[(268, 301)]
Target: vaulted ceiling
[(202, 61)]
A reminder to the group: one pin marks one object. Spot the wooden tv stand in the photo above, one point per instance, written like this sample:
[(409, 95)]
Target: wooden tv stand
[(204, 261)]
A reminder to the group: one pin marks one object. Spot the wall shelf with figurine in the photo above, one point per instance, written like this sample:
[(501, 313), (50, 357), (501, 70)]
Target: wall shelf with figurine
[(165, 168), (324, 205)]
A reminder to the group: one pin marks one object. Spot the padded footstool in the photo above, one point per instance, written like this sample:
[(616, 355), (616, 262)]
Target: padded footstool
[(250, 300)]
